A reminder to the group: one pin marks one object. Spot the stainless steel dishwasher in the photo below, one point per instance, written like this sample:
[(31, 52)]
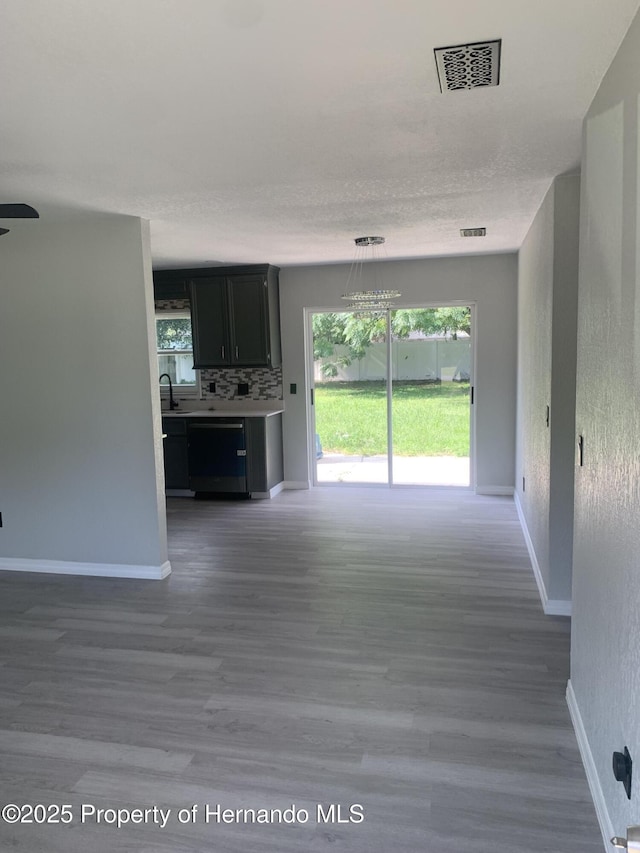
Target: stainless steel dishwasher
[(217, 455)]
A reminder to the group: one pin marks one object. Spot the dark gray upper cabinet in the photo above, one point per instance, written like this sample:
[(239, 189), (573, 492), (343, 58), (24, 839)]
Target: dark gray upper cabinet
[(210, 322), (249, 326), (235, 315), (170, 284)]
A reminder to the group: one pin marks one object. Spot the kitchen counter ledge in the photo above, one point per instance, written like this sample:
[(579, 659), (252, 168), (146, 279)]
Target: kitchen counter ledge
[(221, 413)]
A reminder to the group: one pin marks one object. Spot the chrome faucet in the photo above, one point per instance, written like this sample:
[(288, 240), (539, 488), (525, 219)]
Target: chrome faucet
[(172, 403)]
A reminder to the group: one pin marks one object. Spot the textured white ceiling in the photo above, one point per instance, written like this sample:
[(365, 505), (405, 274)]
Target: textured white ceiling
[(279, 130)]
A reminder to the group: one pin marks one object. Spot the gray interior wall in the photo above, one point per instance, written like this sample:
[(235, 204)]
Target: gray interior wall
[(563, 387), (535, 308), (547, 319), (605, 670), (80, 439), (490, 281)]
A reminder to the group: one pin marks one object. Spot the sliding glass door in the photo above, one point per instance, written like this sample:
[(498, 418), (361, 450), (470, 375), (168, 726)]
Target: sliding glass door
[(392, 396), (430, 393), (350, 397)]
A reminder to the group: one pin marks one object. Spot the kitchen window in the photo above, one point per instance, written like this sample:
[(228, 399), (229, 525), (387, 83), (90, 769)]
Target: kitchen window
[(175, 353)]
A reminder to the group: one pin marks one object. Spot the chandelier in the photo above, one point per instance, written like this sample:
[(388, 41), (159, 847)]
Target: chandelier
[(374, 299)]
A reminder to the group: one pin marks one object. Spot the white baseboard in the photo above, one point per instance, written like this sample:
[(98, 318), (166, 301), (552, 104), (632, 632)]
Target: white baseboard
[(551, 606), (261, 496), (295, 484), (557, 607), (494, 490), (602, 813), (100, 570)]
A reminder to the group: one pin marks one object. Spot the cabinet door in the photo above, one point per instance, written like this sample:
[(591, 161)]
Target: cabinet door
[(176, 470), (209, 320), (249, 320), (169, 286)]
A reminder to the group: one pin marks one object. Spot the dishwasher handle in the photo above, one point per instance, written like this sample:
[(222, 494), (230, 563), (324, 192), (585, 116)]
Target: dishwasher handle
[(216, 426)]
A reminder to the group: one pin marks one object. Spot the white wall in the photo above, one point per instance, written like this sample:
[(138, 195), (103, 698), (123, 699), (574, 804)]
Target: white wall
[(81, 480), (605, 655), (490, 281), (547, 317)]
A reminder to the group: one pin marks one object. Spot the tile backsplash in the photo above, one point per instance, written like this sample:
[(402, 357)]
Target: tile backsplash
[(264, 383), (172, 305)]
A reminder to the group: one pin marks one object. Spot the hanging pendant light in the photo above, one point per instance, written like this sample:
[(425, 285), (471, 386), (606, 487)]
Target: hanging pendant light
[(368, 300)]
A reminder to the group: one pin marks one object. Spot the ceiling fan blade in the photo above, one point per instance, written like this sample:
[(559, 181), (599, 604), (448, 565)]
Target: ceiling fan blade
[(3, 231), (18, 211)]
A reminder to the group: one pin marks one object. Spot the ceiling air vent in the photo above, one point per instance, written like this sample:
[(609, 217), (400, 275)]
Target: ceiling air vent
[(468, 66), (473, 232)]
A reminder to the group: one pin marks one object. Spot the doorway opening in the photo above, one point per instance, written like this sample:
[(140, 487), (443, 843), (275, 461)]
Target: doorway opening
[(392, 396)]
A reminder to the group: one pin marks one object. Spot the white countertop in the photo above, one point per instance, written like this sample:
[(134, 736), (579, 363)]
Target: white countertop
[(235, 412)]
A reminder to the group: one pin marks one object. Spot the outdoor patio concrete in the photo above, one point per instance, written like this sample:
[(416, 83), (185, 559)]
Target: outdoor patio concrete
[(407, 470)]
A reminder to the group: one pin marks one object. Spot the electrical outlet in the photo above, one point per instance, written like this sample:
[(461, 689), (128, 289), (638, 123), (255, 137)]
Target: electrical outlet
[(212, 387), (293, 388), (243, 389)]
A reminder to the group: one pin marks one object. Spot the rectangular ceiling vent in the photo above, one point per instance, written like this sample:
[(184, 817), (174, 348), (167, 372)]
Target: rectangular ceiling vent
[(473, 232), (468, 66)]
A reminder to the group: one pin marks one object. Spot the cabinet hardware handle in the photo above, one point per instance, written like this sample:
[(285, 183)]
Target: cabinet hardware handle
[(222, 350), (236, 352)]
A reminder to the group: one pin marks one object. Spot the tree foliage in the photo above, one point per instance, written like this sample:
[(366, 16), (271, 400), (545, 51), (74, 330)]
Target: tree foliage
[(357, 332), (174, 333)]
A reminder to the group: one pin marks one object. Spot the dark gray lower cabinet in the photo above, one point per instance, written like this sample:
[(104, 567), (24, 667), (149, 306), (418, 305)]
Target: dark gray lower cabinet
[(176, 455), (265, 463), (264, 453)]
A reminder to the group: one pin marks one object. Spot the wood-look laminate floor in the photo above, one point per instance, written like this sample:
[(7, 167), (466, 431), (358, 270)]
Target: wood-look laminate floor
[(378, 647)]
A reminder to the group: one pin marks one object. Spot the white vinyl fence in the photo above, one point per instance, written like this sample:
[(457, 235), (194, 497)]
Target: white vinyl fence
[(444, 360)]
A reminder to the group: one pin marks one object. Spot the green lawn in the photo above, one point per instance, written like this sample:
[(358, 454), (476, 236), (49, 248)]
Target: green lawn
[(428, 420)]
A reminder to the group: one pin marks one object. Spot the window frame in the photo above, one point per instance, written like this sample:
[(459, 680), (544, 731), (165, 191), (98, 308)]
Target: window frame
[(179, 390)]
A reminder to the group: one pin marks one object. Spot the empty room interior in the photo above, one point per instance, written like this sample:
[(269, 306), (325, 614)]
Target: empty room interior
[(319, 467)]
